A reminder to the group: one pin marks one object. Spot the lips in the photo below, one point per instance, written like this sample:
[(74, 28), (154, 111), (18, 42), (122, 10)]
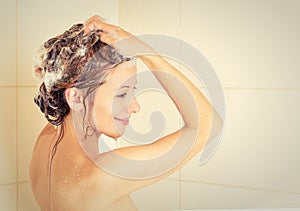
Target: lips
[(124, 121)]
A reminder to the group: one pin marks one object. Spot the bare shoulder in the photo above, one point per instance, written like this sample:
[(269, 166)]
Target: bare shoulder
[(48, 130), (45, 137), (43, 140), (41, 148)]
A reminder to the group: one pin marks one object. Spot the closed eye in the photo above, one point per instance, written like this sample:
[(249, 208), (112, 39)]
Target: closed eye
[(122, 95)]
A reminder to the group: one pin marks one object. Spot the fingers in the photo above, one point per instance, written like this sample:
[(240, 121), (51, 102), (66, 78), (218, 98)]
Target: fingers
[(109, 33), (96, 23), (106, 38)]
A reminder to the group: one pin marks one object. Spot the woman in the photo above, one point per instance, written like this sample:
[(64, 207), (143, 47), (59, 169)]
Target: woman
[(87, 89)]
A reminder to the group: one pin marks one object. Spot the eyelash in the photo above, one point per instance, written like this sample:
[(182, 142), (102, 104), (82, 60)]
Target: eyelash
[(124, 94)]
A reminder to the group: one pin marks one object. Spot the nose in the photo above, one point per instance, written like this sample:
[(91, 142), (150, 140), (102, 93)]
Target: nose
[(134, 106)]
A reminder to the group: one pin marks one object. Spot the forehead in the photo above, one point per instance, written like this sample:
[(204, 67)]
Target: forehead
[(123, 73)]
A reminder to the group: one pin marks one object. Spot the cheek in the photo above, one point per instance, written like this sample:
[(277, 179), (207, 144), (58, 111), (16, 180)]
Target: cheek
[(104, 113), (102, 110), (119, 106)]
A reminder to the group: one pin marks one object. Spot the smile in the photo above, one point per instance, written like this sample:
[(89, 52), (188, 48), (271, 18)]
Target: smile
[(124, 121)]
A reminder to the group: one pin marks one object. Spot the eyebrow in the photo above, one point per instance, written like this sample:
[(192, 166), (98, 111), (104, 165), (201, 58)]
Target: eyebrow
[(124, 87)]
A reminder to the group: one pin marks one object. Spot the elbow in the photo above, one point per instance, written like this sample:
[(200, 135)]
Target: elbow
[(217, 125)]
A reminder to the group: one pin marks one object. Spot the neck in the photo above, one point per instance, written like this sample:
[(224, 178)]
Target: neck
[(76, 137)]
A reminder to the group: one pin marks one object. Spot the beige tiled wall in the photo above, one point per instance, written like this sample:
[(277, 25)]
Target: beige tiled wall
[(163, 195), (26, 199), (251, 44), (8, 117), (8, 43), (25, 24), (262, 151), (154, 17), (8, 199), (200, 196), (253, 47), (8, 135)]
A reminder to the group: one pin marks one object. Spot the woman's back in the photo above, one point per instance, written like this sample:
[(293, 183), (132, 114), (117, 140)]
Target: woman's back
[(73, 178), (39, 166)]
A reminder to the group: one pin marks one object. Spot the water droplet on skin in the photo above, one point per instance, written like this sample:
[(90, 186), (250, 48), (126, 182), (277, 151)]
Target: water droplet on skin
[(75, 167), (66, 181), (62, 195)]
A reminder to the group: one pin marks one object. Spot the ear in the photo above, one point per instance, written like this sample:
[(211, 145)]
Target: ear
[(74, 98)]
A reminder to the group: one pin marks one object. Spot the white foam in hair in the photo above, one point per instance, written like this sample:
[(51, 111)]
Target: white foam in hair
[(81, 52), (50, 78), (37, 63)]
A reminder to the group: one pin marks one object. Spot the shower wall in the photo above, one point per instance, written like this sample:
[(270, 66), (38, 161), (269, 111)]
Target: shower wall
[(252, 45), (25, 25)]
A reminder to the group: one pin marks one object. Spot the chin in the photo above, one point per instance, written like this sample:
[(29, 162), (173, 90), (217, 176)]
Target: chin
[(112, 132), (113, 135)]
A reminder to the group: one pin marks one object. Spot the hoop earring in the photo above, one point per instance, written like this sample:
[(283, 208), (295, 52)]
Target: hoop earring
[(89, 131)]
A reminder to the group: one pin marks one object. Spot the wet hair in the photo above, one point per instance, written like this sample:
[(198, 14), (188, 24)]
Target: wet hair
[(72, 59)]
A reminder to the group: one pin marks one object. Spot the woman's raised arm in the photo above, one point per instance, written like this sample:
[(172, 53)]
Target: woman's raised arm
[(139, 166)]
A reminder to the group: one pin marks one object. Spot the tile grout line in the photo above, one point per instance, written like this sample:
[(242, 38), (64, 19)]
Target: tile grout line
[(17, 157), (252, 88), (234, 186), (19, 86), (24, 182), (238, 186), (180, 188), (9, 183), (258, 88), (119, 12)]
